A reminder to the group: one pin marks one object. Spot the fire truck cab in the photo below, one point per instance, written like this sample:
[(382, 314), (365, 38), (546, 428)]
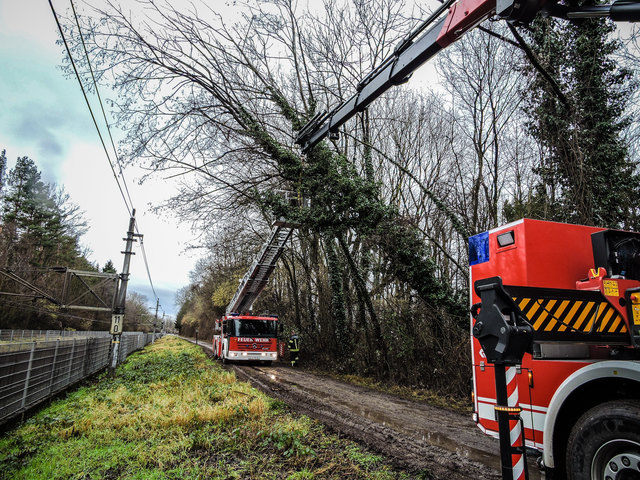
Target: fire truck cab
[(579, 385), (246, 338)]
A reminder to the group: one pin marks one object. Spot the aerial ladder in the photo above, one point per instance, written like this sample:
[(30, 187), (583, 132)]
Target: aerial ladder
[(260, 270), (258, 274), (502, 330)]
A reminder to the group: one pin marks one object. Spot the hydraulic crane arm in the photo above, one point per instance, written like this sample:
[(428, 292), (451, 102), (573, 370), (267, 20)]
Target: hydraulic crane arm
[(443, 30)]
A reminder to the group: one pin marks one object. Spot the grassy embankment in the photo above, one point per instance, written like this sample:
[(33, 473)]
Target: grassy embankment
[(172, 413)]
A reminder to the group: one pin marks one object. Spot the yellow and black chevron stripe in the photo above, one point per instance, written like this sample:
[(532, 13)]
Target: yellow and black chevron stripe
[(570, 314)]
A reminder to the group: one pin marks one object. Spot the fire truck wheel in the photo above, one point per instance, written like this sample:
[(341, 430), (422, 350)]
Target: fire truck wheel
[(605, 443)]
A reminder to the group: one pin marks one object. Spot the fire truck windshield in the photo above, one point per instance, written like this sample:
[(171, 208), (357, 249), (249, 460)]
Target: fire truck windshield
[(255, 328)]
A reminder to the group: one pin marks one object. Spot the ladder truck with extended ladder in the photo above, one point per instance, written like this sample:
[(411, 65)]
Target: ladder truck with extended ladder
[(556, 356), (240, 335)]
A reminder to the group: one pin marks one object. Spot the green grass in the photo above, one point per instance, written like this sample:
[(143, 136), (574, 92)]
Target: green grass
[(171, 413)]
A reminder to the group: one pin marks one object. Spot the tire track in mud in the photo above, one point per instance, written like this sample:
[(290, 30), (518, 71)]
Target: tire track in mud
[(412, 435), (432, 440)]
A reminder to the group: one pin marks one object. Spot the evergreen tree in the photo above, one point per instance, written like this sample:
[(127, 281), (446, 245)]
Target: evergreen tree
[(42, 226), (3, 169), (31, 215), (585, 172), (109, 267)]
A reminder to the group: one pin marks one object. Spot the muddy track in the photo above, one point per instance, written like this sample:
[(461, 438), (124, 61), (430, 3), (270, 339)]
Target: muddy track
[(413, 435)]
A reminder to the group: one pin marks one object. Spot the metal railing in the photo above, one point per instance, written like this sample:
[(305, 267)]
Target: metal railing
[(35, 370)]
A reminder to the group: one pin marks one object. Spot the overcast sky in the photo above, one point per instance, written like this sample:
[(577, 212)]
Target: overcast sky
[(43, 116)]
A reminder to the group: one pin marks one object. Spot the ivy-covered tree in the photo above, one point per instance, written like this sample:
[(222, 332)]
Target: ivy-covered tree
[(230, 124), (586, 175)]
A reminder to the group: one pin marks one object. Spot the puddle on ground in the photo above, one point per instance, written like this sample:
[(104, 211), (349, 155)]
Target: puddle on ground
[(432, 438), (436, 439)]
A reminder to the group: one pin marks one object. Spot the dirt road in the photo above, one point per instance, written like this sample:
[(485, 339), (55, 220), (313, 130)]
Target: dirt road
[(414, 435)]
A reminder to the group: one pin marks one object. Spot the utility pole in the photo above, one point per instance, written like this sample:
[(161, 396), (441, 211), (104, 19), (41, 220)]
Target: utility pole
[(117, 318), (155, 322)]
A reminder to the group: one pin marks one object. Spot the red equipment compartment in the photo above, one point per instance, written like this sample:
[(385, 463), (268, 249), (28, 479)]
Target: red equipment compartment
[(543, 254)]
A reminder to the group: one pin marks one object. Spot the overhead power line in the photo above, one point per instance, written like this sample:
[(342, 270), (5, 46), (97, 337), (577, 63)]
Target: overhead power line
[(104, 115), (86, 99), (123, 188)]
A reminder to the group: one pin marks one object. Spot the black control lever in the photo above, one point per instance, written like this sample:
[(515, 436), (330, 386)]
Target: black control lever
[(501, 328)]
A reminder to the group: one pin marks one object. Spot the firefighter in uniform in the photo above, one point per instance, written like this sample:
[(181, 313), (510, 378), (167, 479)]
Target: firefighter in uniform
[(294, 348)]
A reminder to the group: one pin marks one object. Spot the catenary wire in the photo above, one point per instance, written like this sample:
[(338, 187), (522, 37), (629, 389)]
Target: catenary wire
[(126, 197), (115, 151), (84, 94), (104, 115)]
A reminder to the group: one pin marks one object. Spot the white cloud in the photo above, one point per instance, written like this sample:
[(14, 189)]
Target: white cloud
[(44, 116), (89, 181)]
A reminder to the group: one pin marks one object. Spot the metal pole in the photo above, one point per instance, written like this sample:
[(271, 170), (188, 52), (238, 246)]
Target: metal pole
[(73, 352), (53, 366), (503, 422), (155, 322), (26, 382), (85, 359), (121, 295), (513, 456)]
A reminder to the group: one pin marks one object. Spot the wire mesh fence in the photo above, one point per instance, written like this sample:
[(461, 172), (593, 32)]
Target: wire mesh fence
[(35, 365), (38, 335)]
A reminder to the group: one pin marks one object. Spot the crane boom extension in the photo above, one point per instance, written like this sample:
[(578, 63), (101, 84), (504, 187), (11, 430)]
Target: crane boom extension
[(258, 274), (462, 16)]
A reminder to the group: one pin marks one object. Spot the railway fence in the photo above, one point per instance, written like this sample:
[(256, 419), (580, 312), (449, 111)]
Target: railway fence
[(37, 364)]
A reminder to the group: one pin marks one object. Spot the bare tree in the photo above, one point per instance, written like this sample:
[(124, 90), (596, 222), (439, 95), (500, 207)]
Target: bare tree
[(482, 75)]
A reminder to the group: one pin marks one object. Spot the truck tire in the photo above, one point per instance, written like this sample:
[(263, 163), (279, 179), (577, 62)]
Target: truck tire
[(605, 443)]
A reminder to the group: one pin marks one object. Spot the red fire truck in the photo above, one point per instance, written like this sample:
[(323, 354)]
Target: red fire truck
[(578, 384), (246, 338)]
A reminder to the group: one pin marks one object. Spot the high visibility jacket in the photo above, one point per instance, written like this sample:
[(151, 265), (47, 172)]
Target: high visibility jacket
[(294, 344)]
